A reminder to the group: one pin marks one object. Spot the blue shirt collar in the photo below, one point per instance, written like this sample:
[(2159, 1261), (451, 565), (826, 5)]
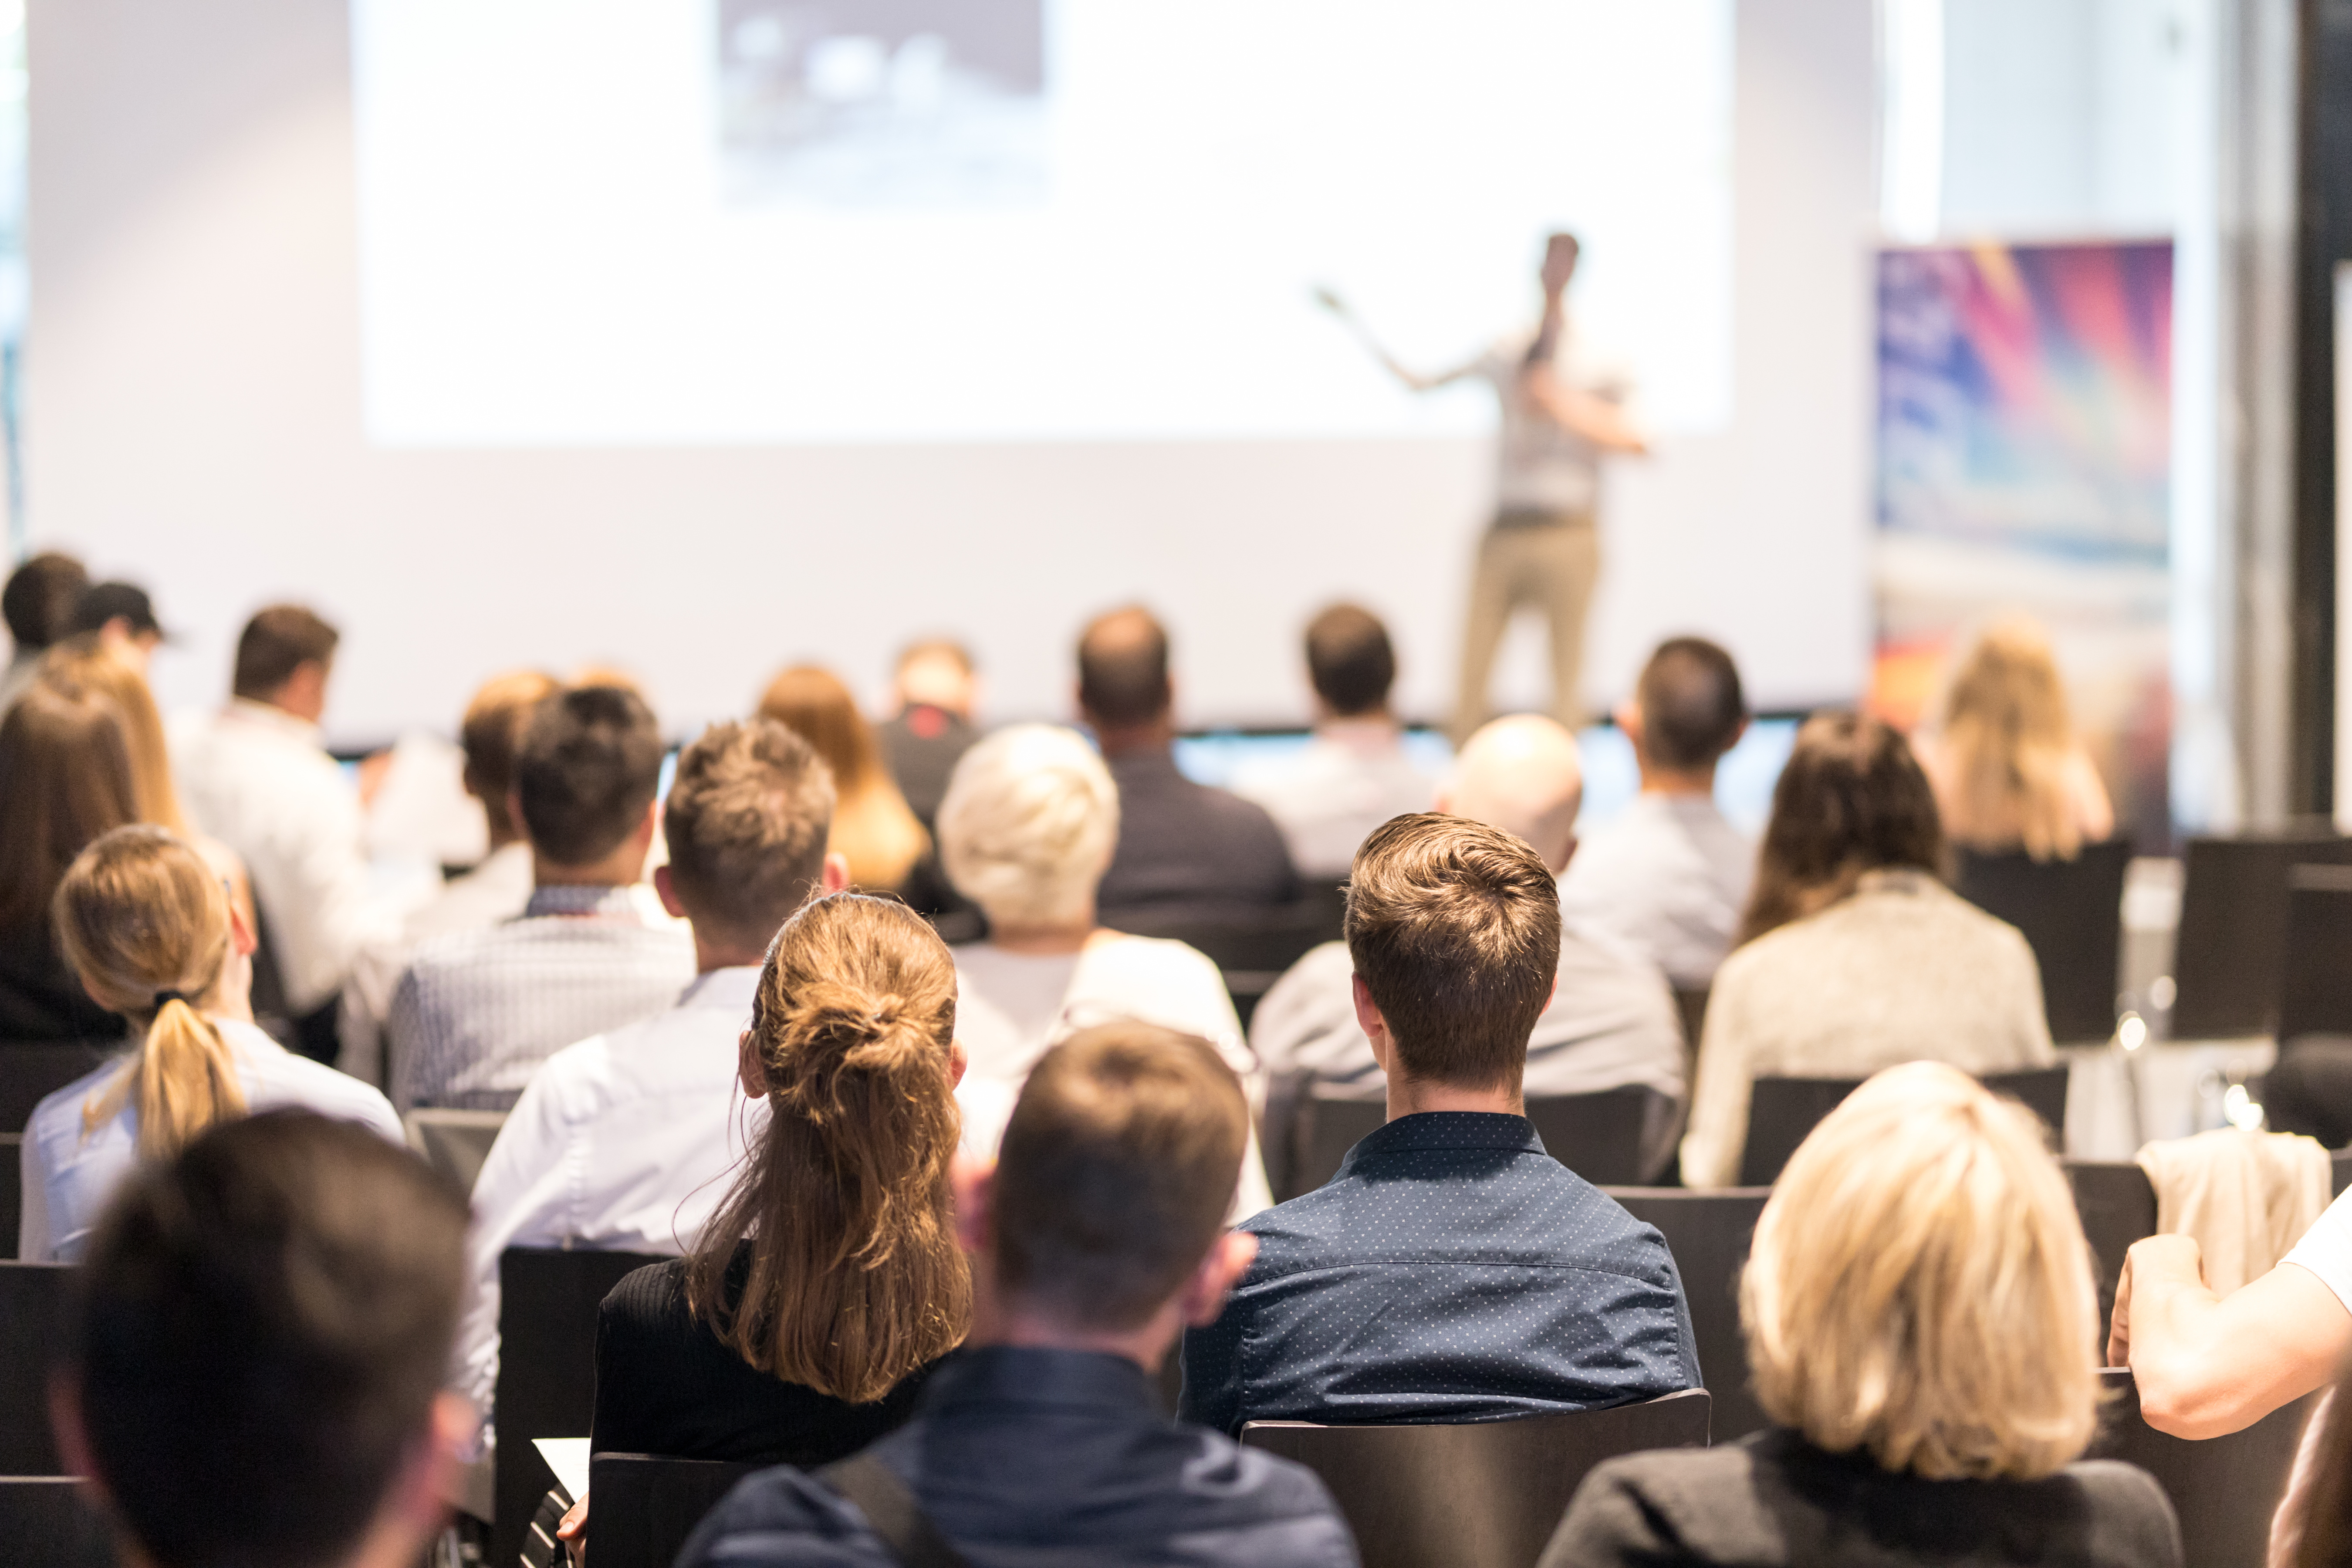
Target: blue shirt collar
[(581, 899), (1445, 1130), (1025, 1374)]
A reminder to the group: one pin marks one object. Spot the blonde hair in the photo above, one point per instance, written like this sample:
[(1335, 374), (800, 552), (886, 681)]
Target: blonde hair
[(1028, 825), (145, 923), (2006, 738), (1920, 1288), (84, 664), (855, 1275), (873, 828)]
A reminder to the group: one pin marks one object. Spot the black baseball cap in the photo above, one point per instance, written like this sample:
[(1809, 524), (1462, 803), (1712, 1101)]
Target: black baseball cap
[(103, 602)]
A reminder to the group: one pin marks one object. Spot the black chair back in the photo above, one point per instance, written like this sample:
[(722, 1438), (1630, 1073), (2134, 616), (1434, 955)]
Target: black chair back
[(2229, 958), (32, 1316), (1709, 1233), (1483, 1494), (2224, 1489), (648, 1505), (1597, 1136), (2117, 1206), (547, 1370), (31, 1073), (12, 1191), (2316, 979), (1782, 1110), (2070, 914), (49, 1519)]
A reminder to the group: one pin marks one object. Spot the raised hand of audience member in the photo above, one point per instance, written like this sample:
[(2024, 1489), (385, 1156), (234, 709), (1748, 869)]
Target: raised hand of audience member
[(2208, 1364)]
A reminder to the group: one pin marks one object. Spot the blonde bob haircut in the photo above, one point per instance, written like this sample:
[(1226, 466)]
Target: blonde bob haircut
[(1920, 1288), (1028, 826)]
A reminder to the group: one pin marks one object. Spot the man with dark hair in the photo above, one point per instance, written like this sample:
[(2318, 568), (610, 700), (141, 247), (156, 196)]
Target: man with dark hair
[(479, 1012), (625, 1139), (255, 1347), (254, 776), (1670, 876), (38, 604), (1097, 1237), (1453, 1271), (1185, 850), (1354, 775), (122, 618)]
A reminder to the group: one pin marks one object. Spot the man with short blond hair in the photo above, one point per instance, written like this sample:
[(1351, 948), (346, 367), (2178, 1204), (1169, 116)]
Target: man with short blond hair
[(1453, 1271)]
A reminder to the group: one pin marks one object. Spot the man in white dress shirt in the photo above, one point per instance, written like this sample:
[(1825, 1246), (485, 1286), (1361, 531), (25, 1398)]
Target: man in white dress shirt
[(479, 1012), (1670, 876), (1610, 1022), (1354, 775), (626, 1140), (254, 776)]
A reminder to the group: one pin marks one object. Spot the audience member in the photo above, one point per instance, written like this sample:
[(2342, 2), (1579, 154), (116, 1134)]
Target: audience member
[(36, 604), (2009, 771), (820, 1298), (625, 1139), (1669, 876), (1028, 825), (497, 889), (1453, 1271), (1184, 849), (478, 1011), (1097, 1238), (937, 690), (254, 776), (254, 1352), (150, 931), (1354, 775), (1922, 1330), (1611, 1021), (122, 618), (1854, 955), (871, 828)]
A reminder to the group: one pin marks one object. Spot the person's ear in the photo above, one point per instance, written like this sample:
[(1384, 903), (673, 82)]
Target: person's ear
[(1204, 1292), (1566, 856), (959, 1059), (241, 934), (975, 1196), (415, 1506), (749, 1070), (1369, 1019), (644, 836), (514, 810), (666, 889), (834, 878), (1628, 717)]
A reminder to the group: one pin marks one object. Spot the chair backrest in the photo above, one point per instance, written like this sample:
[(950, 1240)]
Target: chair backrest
[(32, 1306), (1597, 1136), (1782, 1110), (646, 1505), (31, 1073), (2230, 955), (453, 1143), (547, 1369), (1485, 1494), (2070, 914), (49, 1519), (2224, 1489), (2116, 1205), (12, 1191), (1709, 1233), (2315, 981)]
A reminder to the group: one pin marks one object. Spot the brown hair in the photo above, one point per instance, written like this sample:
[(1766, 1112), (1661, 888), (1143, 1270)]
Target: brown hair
[(489, 734), (873, 828), (145, 924), (746, 823), (40, 597), (1692, 707), (1118, 1170), (1350, 660), (586, 767), (65, 778), (2327, 1521), (276, 643), (855, 1275), (1455, 926), (1123, 667), (2007, 738), (83, 663), (1852, 799)]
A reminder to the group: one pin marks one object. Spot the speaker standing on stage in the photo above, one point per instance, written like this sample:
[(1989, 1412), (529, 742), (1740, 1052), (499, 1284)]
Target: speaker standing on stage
[(1562, 411)]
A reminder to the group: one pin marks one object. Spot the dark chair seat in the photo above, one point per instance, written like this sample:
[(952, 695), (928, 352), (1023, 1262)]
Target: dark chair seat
[(1485, 1494), (31, 1073), (647, 1504), (2224, 1489), (2071, 914), (49, 1521), (1782, 1110), (1597, 1136), (1709, 1233), (32, 1306)]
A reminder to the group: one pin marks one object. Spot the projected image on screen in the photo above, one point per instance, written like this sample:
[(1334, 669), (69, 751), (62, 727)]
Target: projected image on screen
[(694, 222), (883, 103)]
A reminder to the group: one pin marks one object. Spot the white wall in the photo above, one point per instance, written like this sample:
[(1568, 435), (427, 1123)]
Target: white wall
[(192, 412)]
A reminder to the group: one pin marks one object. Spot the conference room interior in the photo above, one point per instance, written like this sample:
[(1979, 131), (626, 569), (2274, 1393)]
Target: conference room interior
[(1847, 491)]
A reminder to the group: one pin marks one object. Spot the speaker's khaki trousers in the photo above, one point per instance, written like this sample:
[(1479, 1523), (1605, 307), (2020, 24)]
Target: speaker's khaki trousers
[(1551, 566)]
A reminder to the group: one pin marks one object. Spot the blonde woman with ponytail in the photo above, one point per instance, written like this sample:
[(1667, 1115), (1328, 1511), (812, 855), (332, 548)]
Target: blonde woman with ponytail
[(149, 930)]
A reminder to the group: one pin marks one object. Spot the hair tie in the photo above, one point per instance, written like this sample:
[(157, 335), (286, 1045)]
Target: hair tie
[(161, 997)]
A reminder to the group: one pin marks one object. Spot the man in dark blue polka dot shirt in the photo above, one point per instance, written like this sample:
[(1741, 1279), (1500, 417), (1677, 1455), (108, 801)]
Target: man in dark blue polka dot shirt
[(1452, 1270)]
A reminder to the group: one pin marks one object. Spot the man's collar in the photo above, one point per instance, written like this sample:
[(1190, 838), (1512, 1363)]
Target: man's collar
[(1446, 1130), (1030, 1374), (268, 715), (729, 990), (581, 899)]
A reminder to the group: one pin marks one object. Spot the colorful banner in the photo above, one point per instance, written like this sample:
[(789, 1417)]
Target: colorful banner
[(2024, 465)]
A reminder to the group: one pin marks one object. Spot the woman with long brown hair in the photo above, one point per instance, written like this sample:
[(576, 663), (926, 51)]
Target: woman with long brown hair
[(1854, 955), (149, 930), (873, 826), (829, 1282), (2007, 766)]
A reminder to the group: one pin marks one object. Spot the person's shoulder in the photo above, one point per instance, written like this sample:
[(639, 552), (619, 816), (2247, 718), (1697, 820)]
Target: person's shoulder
[(281, 1076), (652, 1297), (2131, 1520), (1691, 1505), (784, 1516), (58, 1116), (1270, 1492)]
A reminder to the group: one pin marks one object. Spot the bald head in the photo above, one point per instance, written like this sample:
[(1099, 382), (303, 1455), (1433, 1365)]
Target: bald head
[(1520, 774), (1123, 670)]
